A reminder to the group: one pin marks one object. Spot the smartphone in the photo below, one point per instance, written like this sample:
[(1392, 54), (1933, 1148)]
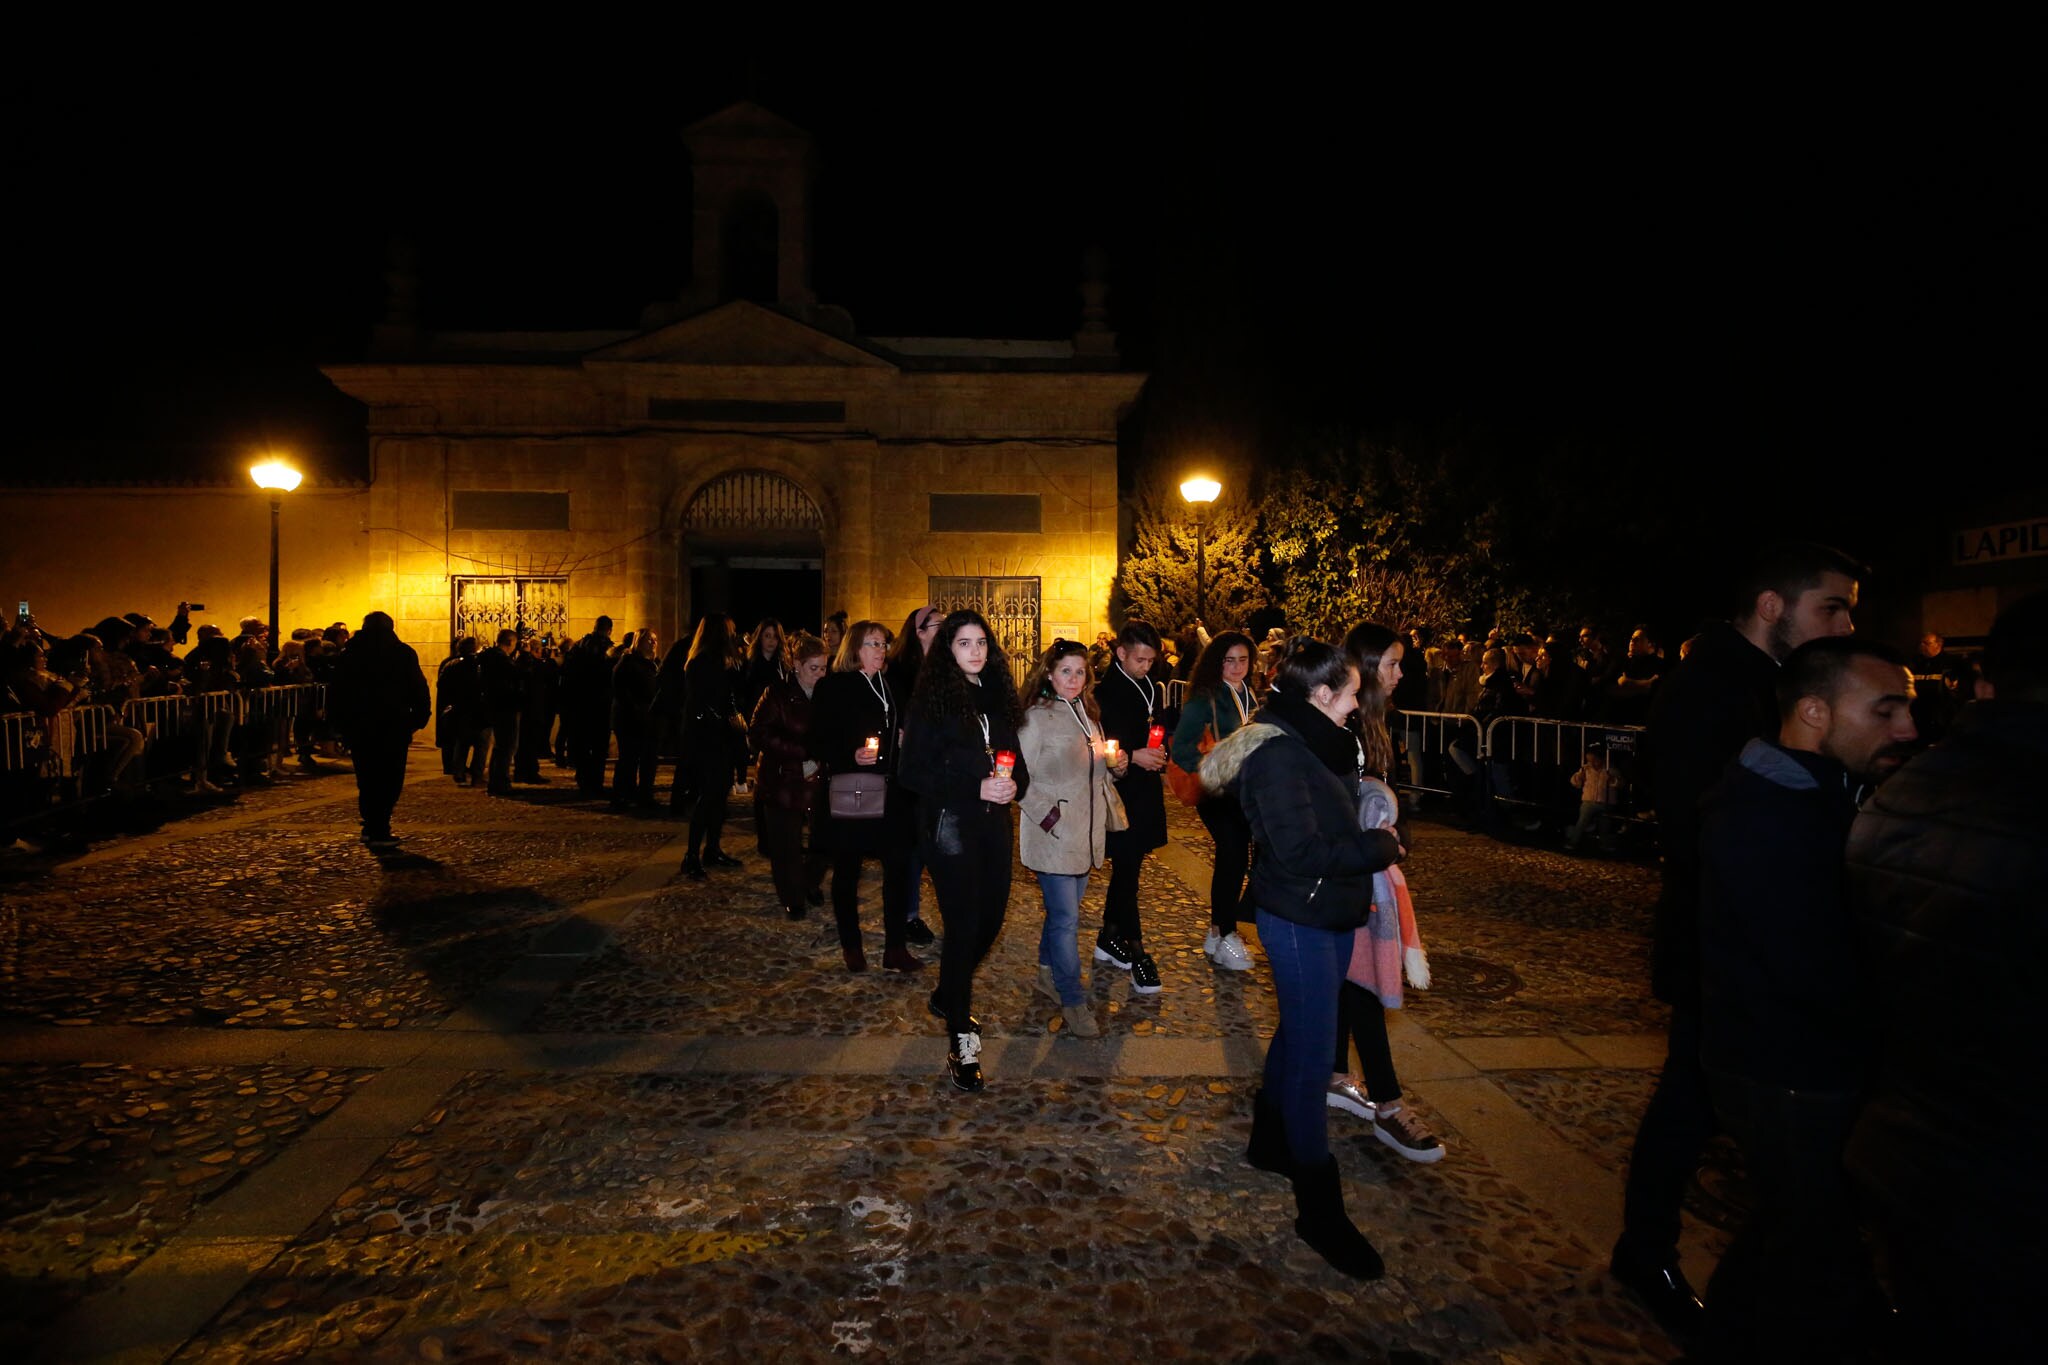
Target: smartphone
[(21, 614)]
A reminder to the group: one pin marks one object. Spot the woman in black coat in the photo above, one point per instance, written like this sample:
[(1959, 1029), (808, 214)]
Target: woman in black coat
[(855, 719), (789, 786), (964, 713), (1132, 703), (714, 740), (1296, 772), (905, 657)]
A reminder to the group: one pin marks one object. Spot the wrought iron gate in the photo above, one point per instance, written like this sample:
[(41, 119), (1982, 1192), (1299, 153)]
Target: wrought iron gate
[(1009, 604), (485, 606)]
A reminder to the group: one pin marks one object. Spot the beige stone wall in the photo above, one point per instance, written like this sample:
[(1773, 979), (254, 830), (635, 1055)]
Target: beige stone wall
[(79, 555)]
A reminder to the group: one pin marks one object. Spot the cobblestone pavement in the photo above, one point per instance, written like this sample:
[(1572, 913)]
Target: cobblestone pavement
[(520, 1092)]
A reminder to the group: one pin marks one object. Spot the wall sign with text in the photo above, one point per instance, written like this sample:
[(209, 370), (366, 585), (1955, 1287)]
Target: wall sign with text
[(1999, 544)]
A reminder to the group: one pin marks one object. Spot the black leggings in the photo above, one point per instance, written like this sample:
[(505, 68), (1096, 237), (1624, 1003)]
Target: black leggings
[(973, 887), (1226, 823), (714, 785), (1120, 900), (846, 860), (1360, 1013)]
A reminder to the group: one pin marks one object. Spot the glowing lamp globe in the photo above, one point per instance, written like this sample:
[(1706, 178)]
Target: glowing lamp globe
[(276, 476), (1200, 490)]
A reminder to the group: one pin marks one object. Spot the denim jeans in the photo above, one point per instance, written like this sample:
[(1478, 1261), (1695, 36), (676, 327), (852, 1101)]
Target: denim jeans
[(1059, 944), (1308, 970)]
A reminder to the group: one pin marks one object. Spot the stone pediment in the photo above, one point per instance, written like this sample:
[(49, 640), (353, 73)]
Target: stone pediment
[(739, 333)]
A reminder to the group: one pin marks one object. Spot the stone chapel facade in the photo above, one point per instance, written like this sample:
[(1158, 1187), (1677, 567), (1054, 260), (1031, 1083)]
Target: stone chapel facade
[(743, 451)]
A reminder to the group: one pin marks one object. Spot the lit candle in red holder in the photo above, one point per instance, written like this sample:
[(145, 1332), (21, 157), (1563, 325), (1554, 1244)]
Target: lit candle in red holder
[(1006, 763), (1155, 737)]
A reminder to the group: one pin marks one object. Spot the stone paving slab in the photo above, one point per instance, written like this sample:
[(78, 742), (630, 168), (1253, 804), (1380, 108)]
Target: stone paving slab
[(106, 1163), (749, 1217)]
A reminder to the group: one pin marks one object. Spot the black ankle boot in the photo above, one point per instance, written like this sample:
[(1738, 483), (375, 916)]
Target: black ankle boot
[(1320, 1221), (1267, 1150), (693, 868)]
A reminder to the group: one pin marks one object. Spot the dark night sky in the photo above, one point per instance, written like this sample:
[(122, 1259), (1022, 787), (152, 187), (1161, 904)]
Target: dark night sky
[(1759, 275)]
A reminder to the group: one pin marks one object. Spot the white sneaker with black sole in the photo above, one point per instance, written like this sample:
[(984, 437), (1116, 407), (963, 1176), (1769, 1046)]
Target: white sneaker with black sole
[(1227, 951)]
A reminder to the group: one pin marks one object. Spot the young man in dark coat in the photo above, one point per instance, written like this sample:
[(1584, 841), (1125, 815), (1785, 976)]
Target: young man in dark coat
[(1946, 867), (1132, 704), (379, 700), (501, 696), (587, 705), (1785, 1036), (1720, 698)]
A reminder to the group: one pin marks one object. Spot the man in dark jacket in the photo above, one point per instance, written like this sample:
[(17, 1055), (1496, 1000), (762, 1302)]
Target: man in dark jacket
[(378, 701), (587, 705), (1132, 705), (1785, 1038), (1946, 870), (501, 696), (1719, 699)]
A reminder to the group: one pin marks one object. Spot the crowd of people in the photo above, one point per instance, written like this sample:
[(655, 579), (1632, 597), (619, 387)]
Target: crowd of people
[(1847, 930), (129, 658)]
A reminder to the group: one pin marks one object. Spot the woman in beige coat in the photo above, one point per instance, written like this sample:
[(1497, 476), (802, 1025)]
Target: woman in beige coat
[(1065, 813)]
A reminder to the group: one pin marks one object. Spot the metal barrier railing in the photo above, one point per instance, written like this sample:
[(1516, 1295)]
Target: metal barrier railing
[(23, 742), (55, 751), (1437, 732), (1547, 752)]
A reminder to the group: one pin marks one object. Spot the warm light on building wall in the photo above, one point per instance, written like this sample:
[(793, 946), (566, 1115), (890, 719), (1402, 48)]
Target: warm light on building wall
[(1200, 489), (276, 476)]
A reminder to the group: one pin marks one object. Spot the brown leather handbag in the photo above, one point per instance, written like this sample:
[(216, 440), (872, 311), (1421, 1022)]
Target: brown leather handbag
[(857, 795)]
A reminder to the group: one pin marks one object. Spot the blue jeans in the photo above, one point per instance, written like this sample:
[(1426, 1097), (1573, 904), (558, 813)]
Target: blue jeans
[(1059, 942), (1308, 972)]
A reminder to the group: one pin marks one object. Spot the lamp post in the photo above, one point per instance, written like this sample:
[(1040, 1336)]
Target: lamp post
[(276, 478), (1201, 491)]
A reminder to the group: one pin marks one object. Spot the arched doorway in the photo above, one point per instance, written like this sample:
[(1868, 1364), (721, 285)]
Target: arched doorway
[(754, 546)]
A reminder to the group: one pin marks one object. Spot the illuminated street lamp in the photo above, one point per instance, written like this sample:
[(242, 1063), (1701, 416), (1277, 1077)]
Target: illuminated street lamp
[(276, 478), (1201, 491)]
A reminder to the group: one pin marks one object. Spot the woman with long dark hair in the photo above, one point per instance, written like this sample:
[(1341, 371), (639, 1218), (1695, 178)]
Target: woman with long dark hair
[(855, 719), (1065, 818), (1296, 772), (905, 656), (964, 713), (1372, 983), (1220, 701), (789, 785), (766, 664), (713, 739)]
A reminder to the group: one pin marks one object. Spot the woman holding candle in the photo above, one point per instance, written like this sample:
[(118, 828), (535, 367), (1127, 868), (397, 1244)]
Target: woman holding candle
[(714, 735), (959, 756), (855, 718), (1220, 702), (1065, 817), (1132, 706)]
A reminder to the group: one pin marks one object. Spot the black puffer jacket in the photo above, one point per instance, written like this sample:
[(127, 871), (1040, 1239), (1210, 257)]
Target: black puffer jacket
[(1948, 881), (1315, 864), (1782, 989)]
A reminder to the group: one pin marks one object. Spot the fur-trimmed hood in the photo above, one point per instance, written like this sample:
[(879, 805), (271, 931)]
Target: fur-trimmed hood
[(1222, 764)]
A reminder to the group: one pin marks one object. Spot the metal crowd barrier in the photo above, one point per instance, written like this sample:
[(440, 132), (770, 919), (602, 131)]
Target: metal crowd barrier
[(1519, 761), (58, 749), (1547, 752), (1439, 731)]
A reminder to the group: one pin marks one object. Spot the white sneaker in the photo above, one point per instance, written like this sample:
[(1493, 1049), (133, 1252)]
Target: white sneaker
[(1209, 942), (1229, 952)]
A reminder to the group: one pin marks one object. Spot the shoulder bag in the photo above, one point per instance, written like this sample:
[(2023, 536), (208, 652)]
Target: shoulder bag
[(857, 795)]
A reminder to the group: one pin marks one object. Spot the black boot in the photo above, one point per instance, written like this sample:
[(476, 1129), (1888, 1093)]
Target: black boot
[(1268, 1148), (1321, 1222)]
